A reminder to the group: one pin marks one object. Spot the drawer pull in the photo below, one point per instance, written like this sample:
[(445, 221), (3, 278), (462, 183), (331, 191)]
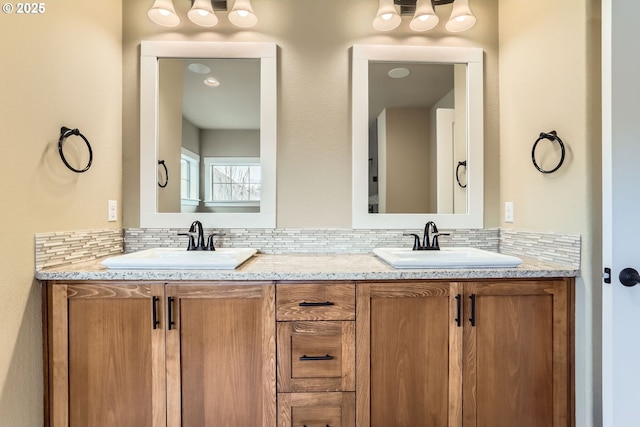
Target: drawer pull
[(305, 358), (306, 425), (315, 304)]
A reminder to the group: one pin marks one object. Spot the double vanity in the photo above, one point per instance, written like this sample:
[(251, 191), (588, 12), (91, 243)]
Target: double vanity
[(373, 337), (308, 339)]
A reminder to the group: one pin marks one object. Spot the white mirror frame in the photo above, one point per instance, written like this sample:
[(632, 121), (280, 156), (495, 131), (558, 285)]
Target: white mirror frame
[(150, 52), (472, 57)]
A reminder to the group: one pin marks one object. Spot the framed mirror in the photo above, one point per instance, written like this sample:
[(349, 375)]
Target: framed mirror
[(417, 128), (208, 134)]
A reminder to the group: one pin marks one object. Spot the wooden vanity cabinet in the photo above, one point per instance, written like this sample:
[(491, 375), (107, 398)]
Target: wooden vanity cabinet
[(408, 347), (156, 354), (104, 356), (397, 353), (518, 353), (487, 353), (220, 355), (316, 354)]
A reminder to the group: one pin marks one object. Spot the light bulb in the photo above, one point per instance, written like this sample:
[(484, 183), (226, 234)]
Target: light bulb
[(461, 17), (425, 18), (202, 13), (163, 13), (387, 17), (242, 15)]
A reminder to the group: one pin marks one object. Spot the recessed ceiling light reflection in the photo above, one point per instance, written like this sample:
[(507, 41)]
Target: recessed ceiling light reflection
[(211, 82), (199, 68), (398, 73)]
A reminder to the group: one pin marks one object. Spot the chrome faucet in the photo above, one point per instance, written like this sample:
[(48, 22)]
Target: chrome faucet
[(429, 238), (196, 230)]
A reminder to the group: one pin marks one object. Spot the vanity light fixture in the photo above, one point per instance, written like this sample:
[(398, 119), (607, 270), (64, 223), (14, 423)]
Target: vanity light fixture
[(387, 17), (201, 13), (424, 16), (461, 17), (242, 15), (163, 13)]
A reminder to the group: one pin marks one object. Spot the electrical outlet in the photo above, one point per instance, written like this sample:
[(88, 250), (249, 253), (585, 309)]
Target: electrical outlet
[(112, 211), (508, 212)]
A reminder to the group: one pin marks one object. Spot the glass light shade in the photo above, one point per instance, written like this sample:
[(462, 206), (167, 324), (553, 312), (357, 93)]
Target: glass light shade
[(202, 13), (387, 17), (425, 18), (461, 17), (163, 13), (242, 14)]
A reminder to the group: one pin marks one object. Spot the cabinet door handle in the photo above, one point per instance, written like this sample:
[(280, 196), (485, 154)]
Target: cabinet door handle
[(154, 309), (315, 304), (458, 310), (170, 321), (304, 425), (305, 358), (472, 319)]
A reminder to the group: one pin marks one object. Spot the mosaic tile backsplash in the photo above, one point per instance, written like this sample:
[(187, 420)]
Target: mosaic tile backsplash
[(285, 240), (63, 248), (70, 247)]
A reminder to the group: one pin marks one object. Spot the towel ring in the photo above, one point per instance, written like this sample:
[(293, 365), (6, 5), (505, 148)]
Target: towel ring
[(551, 136), (464, 163), (65, 132), (166, 174)]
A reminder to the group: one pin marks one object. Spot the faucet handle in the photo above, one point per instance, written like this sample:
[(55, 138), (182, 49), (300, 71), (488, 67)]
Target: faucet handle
[(210, 246), (435, 244), (192, 242), (416, 240)]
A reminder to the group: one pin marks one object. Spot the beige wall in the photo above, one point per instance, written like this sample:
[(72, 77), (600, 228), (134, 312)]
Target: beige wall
[(408, 184), (170, 133), (230, 143), (549, 80), (314, 105), (61, 68)]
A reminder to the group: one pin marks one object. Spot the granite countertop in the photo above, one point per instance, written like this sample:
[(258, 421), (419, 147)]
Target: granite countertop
[(297, 267)]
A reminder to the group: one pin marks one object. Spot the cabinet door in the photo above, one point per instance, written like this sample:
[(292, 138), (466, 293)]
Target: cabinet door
[(516, 370), (105, 355), (408, 354), (221, 355)]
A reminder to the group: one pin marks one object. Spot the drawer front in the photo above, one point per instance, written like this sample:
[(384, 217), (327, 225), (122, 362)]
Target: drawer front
[(317, 301), (316, 409), (316, 356)]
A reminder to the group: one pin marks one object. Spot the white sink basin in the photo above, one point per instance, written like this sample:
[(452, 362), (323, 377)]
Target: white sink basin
[(446, 258), (173, 259)]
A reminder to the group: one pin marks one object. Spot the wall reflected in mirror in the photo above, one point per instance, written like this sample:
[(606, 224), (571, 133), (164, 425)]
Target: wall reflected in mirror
[(417, 137), (209, 135)]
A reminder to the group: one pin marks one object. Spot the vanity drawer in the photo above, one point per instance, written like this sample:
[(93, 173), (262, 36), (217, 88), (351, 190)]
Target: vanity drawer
[(316, 409), (316, 356), (317, 301)]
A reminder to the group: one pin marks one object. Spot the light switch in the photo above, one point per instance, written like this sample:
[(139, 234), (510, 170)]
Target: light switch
[(112, 211), (508, 212)]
